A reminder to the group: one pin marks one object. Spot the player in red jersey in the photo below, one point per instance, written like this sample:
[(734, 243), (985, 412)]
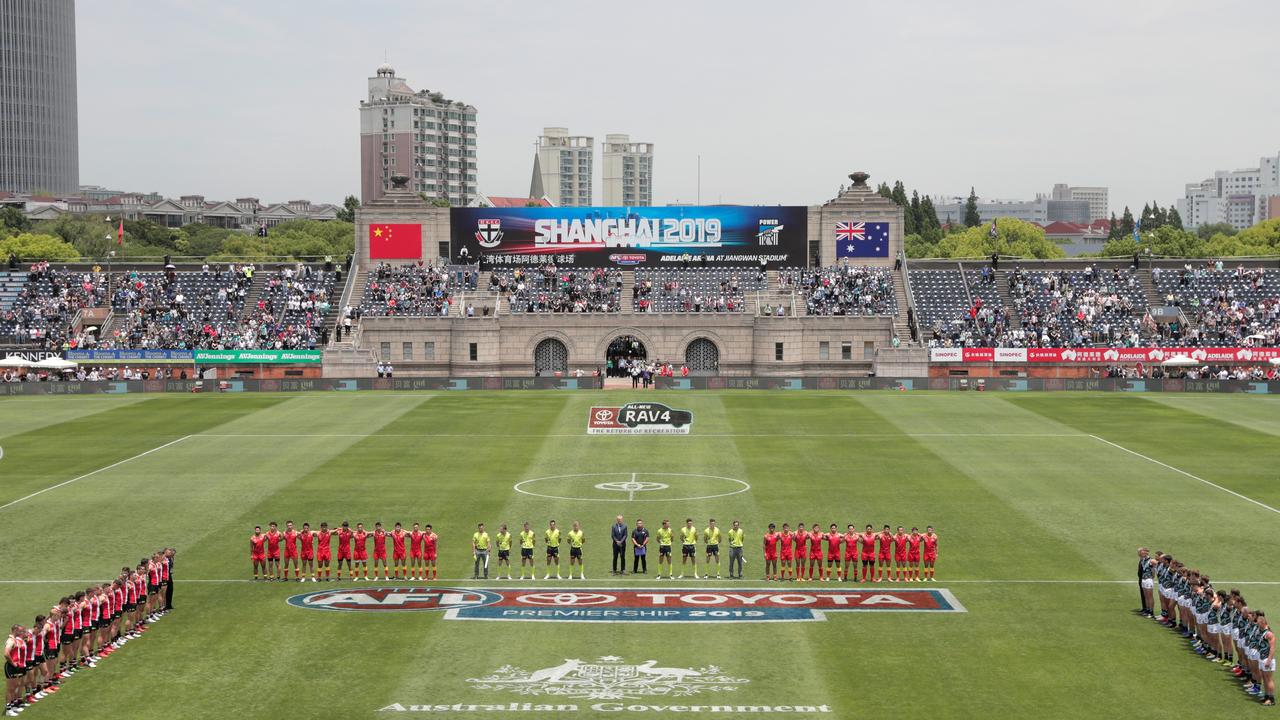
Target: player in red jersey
[(307, 553), (815, 552), (850, 552), (360, 552), (930, 552), (885, 569), (273, 550), (913, 555), (834, 538), (799, 542), (786, 552), (380, 551), (290, 551), (899, 554), (429, 553), (344, 548), (771, 553), (258, 552), (415, 553), (398, 557), (323, 552), (868, 542)]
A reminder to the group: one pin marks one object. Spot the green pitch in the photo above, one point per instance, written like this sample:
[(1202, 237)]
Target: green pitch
[(1040, 502)]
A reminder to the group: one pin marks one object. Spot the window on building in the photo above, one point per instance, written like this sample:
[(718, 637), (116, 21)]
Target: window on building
[(473, 351), (868, 350), (846, 350), (443, 248), (384, 350), (428, 351), (406, 349), (777, 351), (824, 350)]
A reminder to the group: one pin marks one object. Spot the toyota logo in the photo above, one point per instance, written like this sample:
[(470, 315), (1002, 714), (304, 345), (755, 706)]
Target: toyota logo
[(604, 415), (566, 598)]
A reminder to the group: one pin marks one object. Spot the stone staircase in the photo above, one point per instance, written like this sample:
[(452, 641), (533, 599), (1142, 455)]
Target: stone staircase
[(900, 326), (352, 294), (251, 296), (1006, 298), (11, 282), (1149, 287)]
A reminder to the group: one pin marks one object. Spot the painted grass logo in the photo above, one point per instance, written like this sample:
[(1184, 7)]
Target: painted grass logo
[(608, 678), (639, 418), (394, 599)]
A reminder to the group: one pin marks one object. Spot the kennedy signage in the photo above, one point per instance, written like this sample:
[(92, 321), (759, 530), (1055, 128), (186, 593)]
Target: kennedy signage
[(1125, 355), (255, 357)]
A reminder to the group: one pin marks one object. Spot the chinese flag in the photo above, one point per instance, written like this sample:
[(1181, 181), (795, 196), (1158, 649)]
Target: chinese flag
[(395, 242)]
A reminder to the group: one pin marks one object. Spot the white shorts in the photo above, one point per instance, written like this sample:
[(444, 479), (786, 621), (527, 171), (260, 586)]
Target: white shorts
[(1213, 630), (1202, 618), (1251, 653), (1268, 665), (1147, 584), (1164, 592)]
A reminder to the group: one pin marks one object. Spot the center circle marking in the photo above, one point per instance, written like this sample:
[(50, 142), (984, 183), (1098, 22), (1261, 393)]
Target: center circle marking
[(630, 483)]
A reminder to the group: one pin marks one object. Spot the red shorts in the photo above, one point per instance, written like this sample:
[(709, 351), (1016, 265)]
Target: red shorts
[(362, 555), (833, 557), (398, 555), (913, 557), (769, 557), (291, 554), (884, 558), (899, 558), (429, 555), (930, 557), (868, 558), (344, 554), (815, 555), (786, 557), (258, 558), (273, 555), (379, 554), (850, 557), (416, 554), (322, 557), (306, 556)]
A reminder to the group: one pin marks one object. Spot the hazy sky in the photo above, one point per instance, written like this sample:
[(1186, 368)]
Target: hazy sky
[(782, 100)]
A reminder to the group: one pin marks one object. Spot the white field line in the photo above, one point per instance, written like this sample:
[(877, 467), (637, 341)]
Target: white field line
[(719, 584), (95, 472), (1185, 473), (691, 435)]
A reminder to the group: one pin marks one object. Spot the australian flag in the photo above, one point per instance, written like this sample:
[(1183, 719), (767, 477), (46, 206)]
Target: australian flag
[(862, 240)]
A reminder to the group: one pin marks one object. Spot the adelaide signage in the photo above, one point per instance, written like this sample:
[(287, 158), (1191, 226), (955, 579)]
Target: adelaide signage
[(664, 605), (624, 236)]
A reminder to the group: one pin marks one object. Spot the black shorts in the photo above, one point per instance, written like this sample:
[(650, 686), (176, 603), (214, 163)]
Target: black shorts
[(504, 554), (152, 589), (689, 550), (50, 655), (553, 551), (66, 639), (526, 552), (12, 671), (575, 553), (713, 549), (77, 633), (664, 550)]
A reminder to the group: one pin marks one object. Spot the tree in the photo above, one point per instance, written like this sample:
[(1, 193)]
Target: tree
[(1126, 223), (971, 217), (28, 247), (917, 246), (1120, 247), (1159, 217), (1207, 231), (884, 191), (1148, 220), (911, 216), (930, 228), (348, 211), (1175, 220), (1013, 237), (1114, 231), (13, 219)]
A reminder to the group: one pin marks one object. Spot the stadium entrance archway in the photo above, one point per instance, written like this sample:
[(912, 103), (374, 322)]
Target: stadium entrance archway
[(623, 351), (702, 357), (550, 357)]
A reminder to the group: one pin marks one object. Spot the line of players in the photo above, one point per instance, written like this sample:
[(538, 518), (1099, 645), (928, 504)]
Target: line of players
[(83, 628), (888, 556), (1219, 624), (309, 553)]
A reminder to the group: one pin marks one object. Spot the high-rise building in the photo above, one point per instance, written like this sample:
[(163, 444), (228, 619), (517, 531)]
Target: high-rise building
[(419, 134), (39, 132), (1099, 204), (563, 167), (1238, 197), (1042, 211), (627, 171)]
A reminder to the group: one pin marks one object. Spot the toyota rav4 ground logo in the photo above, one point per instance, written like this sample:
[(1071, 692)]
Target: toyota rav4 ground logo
[(639, 418)]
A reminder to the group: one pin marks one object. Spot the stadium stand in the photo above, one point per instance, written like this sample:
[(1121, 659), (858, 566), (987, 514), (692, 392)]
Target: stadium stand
[(290, 312), (684, 290), (548, 289), (173, 310), (1079, 308), (1222, 307), (414, 290), (842, 289), (48, 300)]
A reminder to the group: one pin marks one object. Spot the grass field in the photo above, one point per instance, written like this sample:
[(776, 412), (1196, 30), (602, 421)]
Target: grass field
[(1040, 501)]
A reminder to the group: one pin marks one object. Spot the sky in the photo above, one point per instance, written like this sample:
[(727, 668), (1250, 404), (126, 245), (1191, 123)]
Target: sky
[(233, 98)]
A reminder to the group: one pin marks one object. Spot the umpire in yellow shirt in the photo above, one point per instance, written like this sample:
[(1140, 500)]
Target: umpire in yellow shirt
[(736, 536), (480, 551)]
